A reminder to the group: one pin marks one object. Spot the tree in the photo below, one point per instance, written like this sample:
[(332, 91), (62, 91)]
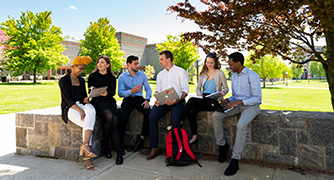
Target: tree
[(286, 72), (267, 67), (297, 71), (317, 69), (184, 51), (3, 41), (34, 43), (149, 71), (285, 28), (100, 40)]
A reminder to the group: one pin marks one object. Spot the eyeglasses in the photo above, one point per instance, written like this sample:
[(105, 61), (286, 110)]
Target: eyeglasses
[(212, 55)]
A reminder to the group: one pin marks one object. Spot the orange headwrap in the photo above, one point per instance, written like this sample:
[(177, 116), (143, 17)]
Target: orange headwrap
[(81, 60)]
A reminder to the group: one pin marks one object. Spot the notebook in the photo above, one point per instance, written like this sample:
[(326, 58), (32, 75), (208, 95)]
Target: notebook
[(163, 95), (95, 92)]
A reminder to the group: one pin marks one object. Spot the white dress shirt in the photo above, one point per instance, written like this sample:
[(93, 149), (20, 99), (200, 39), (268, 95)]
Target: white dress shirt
[(176, 77), (246, 86)]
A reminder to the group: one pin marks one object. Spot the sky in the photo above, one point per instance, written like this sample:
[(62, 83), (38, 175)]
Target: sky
[(145, 18)]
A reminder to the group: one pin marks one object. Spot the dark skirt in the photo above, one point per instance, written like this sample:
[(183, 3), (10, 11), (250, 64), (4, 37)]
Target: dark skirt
[(105, 105)]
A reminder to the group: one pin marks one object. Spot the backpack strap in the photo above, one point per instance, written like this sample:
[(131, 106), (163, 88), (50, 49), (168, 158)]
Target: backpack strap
[(179, 144), (169, 145)]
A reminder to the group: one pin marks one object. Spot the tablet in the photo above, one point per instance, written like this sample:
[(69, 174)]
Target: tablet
[(95, 92), (163, 95)]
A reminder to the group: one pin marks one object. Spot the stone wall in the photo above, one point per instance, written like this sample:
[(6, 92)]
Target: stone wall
[(304, 139)]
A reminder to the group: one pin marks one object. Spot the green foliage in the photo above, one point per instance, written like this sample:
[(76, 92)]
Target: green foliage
[(227, 73), (297, 71), (184, 51), (100, 40), (317, 69), (34, 44), (149, 71), (267, 67), (285, 70)]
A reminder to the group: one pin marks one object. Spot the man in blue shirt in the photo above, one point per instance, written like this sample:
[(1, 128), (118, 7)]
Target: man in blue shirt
[(246, 98), (130, 86)]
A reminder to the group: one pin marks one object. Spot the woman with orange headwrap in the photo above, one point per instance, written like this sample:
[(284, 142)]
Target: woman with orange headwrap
[(75, 105)]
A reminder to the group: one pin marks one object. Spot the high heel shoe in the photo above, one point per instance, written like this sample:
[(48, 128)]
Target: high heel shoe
[(83, 150), (119, 159), (89, 167)]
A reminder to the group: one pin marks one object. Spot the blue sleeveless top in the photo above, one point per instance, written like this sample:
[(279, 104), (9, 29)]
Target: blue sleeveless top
[(209, 87)]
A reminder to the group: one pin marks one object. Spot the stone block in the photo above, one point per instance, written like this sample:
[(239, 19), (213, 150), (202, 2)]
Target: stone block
[(273, 158), (38, 143), (43, 118), (21, 137), (291, 160), (205, 143), (268, 149), (253, 151), (60, 152), (302, 137), (27, 120), (202, 124), (54, 134), (321, 132), (268, 116), (135, 124), (41, 129), (288, 142), (263, 132), (330, 159), (56, 119), (18, 120), (230, 121), (76, 138), (294, 121), (65, 135), (72, 126), (72, 154), (311, 156), (31, 152)]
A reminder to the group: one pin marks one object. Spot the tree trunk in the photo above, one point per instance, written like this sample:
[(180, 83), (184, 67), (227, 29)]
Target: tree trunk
[(264, 82), (329, 65), (35, 75)]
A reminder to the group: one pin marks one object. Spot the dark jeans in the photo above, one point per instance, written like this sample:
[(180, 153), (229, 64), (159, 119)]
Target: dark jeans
[(157, 112), (128, 105), (195, 105)]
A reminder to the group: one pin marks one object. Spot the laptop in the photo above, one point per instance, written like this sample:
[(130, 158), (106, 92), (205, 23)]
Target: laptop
[(163, 95), (215, 106)]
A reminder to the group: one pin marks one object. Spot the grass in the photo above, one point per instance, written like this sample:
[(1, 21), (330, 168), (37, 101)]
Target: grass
[(297, 96)]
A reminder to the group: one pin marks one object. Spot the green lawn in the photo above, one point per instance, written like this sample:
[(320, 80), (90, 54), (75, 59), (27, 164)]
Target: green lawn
[(297, 96)]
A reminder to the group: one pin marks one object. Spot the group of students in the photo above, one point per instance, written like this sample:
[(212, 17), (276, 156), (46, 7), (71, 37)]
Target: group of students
[(76, 107)]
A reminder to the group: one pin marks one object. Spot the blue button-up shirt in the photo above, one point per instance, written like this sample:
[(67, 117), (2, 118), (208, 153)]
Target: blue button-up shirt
[(246, 86), (126, 82)]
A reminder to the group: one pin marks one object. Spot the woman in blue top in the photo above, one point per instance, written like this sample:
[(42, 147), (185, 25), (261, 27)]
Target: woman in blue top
[(211, 80)]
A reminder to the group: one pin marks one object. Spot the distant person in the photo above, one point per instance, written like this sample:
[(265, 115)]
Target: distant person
[(8, 77), (246, 99), (130, 86), (75, 105), (171, 76), (211, 80), (105, 105)]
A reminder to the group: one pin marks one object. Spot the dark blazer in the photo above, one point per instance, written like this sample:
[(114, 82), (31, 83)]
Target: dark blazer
[(67, 100)]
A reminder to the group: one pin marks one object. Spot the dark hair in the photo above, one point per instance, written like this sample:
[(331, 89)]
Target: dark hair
[(107, 59), (168, 54), (217, 63), (131, 58), (237, 57)]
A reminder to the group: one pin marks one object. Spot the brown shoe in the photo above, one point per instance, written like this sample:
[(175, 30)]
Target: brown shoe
[(153, 153)]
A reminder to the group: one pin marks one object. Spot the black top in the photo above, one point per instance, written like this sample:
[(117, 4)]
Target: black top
[(68, 98), (103, 102)]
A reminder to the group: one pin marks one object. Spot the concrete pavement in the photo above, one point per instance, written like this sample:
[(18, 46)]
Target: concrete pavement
[(135, 166)]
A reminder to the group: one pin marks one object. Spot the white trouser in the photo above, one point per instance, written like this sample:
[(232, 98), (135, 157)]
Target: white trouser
[(89, 121)]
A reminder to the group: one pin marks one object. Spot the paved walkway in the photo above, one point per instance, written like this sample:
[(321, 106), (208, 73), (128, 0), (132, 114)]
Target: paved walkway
[(135, 166)]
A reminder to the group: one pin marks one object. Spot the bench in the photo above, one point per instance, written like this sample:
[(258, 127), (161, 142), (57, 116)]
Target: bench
[(303, 139)]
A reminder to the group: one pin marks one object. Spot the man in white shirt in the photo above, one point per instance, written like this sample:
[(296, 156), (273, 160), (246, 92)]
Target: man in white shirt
[(171, 76), (246, 98)]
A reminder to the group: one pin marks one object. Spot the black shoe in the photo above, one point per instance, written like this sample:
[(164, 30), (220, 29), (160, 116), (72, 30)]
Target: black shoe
[(223, 150), (232, 168), (119, 159), (138, 143), (107, 152), (122, 151)]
